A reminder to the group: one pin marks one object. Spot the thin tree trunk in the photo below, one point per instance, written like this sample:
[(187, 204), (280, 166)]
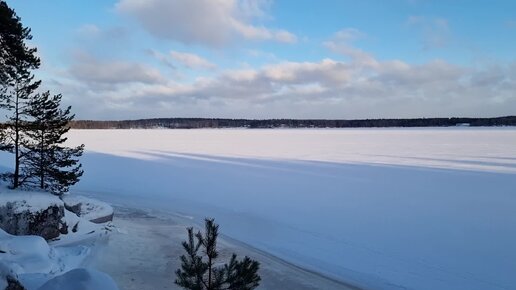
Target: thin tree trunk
[(16, 176), (209, 273), (41, 165)]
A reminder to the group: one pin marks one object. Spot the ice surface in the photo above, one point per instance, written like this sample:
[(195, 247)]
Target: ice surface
[(381, 208)]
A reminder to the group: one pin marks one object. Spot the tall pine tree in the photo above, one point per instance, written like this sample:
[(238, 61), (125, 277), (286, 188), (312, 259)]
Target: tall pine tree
[(17, 83), (46, 162)]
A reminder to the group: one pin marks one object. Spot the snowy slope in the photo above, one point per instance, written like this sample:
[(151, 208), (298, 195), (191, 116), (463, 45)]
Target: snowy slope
[(385, 209)]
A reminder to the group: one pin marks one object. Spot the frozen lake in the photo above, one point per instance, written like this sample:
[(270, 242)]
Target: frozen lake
[(379, 208)]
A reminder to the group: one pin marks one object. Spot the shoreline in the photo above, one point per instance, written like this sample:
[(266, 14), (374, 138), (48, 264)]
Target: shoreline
[(149, 245)]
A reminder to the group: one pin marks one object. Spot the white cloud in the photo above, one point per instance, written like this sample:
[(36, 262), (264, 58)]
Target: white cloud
[(358, 86), (262, 33), (207, 22), (191, 60), (342, 43), (87, 68), (325, 89)]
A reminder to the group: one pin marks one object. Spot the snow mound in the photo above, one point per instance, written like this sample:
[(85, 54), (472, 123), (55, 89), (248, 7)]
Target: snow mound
[(90, 209), (32, 254), (81, 279), (26, 254)]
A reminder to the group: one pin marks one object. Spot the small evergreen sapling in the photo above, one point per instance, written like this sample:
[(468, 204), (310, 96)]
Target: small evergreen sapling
[(198, 272)]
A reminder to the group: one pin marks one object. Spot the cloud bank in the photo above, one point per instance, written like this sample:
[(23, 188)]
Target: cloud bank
[(213, 23)]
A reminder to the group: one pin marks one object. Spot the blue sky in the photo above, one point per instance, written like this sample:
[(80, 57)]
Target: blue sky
[(271, 59)]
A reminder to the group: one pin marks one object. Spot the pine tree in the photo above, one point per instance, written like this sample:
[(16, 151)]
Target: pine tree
[(17, 82), (47, 163), (198, 272)]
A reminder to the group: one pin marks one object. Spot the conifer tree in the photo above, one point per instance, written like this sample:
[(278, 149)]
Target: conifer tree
[(198, 270), (17, 82), (47, 163)]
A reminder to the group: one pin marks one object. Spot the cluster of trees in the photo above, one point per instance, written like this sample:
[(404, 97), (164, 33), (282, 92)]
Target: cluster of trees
[(34, 126), (192, 123)]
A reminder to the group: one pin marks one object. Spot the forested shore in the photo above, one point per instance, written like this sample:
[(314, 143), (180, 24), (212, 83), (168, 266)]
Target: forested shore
[(193, 123)]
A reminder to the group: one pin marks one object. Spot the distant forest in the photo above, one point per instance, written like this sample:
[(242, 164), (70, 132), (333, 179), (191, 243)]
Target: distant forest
[(194, 123)]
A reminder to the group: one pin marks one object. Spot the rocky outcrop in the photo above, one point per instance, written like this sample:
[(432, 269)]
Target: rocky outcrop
[(8, 278), (48, 216), (91, 209), (104, 219), (13, 284), (31, 213), (46, 223)]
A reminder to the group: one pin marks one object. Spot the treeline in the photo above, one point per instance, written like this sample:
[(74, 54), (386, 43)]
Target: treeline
[(194, 123)]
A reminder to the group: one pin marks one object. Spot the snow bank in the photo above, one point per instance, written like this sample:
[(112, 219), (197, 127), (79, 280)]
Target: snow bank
[(81, 279), (31, 201), (91, 209), (27, 254), (32, 261)]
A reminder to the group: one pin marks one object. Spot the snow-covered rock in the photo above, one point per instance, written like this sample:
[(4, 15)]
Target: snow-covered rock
[(8, 278), (27, 220), (91, 209), (81, 279), (31, 213)]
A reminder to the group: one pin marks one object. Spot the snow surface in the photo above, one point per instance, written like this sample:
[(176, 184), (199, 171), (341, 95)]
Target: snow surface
[(379, 208), (81, 279)]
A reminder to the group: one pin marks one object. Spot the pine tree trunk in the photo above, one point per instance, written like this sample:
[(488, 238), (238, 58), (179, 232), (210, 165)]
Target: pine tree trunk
[(209, 272), (41, 163), (16, 142)]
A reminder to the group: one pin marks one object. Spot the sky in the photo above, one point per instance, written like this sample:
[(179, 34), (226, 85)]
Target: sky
[(333, 59)]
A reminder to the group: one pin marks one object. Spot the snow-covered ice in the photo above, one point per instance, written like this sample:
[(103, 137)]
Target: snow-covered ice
[(143, 253), (379, 208)]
